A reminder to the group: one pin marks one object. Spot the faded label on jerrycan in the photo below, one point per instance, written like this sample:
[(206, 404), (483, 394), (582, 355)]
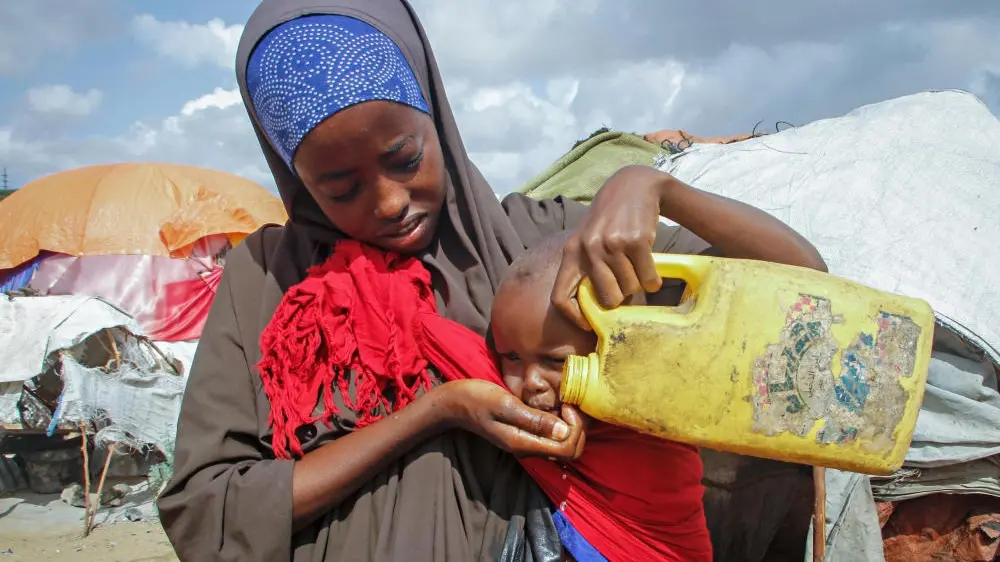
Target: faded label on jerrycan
[(800, 380)]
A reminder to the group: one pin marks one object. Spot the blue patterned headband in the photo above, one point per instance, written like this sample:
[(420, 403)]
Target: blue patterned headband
[(307, 69)]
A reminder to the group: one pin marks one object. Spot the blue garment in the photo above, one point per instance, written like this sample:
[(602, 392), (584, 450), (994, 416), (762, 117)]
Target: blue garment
[(18, 278), (573, 541), (309, 68)]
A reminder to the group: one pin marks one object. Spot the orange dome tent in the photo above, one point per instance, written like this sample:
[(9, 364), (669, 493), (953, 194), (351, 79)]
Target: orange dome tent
[(131, 208)]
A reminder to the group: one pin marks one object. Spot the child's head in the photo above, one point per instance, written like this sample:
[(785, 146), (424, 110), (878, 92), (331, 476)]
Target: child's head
[(531, 337)]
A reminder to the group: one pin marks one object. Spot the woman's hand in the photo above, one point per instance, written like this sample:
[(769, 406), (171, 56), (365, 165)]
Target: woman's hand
[(613, 246), (328, 475), (495, 414)]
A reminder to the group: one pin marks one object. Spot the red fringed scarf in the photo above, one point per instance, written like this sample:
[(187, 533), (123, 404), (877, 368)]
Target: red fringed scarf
[(367, 319)]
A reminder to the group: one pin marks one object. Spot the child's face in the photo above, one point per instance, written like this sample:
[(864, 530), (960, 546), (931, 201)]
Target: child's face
[(533, 340)]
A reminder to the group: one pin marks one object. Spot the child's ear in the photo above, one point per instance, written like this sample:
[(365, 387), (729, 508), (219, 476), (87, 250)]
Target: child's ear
[(491, 343)]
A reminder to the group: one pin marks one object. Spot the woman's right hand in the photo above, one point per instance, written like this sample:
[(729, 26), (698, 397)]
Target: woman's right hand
[(495, 414)]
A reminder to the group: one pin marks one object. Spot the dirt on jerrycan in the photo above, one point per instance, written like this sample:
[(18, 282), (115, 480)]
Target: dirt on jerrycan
[(761, 359)]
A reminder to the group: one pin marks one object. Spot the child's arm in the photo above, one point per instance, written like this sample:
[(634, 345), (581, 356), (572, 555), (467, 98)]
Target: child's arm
[(735, 229), (613, 244)]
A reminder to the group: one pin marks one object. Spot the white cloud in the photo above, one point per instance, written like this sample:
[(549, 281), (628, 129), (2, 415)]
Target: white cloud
[(514, 131), (189, 44), (30, 30), (219, 98), (528, 78), (212, 131), (510, 130), (61, 101)]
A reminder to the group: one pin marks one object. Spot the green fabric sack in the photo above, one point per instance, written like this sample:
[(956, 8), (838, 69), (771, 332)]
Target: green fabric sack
[(583, 170)]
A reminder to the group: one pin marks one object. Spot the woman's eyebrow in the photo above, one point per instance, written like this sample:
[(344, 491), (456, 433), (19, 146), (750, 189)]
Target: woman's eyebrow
[(399, 144), (393, 149), (333, 176)]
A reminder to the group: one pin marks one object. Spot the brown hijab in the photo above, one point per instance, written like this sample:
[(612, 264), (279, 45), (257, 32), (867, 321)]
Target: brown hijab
[(476, 238), (452, 497)]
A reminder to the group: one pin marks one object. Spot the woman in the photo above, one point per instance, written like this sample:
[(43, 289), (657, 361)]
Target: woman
[(351, 113)]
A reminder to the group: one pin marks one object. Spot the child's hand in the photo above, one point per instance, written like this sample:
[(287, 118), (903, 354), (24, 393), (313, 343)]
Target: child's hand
[(613, 246), (576, 418)]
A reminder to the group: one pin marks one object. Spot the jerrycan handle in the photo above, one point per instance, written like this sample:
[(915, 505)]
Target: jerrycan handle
[(693, 270)]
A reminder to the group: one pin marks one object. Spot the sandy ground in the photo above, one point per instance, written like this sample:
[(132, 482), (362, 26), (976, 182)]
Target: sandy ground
[(121, 542), (45, 528)]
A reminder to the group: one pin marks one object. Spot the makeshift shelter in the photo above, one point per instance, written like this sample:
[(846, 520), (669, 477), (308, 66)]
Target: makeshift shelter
[(149, 238), (148, 209), (583, 170), (77, 377), (903, 196), (84, 362), (107, 274)]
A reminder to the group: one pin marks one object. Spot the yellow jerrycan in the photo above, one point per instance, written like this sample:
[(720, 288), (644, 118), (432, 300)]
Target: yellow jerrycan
[(761, 359)]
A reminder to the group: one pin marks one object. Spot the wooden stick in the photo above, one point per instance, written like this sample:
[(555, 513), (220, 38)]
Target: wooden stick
[(161, 354), (100, 487), (114, 348), (819, 514), (86, 480)]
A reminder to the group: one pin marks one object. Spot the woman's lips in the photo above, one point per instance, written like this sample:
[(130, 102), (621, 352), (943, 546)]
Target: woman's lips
[(411, 228), (405, 227)]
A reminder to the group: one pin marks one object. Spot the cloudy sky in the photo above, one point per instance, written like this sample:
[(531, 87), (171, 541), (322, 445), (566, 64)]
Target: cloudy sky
[(94, 81)]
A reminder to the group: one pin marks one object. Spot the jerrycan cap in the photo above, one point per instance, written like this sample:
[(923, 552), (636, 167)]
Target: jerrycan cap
[(577, 371)]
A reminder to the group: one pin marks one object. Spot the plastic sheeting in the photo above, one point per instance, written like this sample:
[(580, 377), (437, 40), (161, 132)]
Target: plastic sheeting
[(136, 404), (901, 195), (169, 298), (973, 477), (956, 444), (955, 450), (10, 393), (112, 378), (960, 417), (579, 173), (32, 328), (147, 209), (17, 278), (852, 529), (181, 353)]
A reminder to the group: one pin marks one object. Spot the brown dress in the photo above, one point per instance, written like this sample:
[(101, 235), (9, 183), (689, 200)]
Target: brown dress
[(453, 497)]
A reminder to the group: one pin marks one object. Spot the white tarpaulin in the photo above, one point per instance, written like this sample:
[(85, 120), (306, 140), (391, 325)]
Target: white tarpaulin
[(180, 352), (113, 378), (137, 404), (31, 328), (902, 195)]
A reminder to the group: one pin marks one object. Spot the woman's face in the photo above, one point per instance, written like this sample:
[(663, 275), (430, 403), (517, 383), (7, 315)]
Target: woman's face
[(377, 172)]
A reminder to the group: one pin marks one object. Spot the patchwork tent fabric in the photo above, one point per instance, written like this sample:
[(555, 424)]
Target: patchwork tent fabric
[(145, 209), (902, 196), (584, 169), (149, 238)]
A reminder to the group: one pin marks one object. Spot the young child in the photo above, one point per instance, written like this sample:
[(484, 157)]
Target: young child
[(629, 496)]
